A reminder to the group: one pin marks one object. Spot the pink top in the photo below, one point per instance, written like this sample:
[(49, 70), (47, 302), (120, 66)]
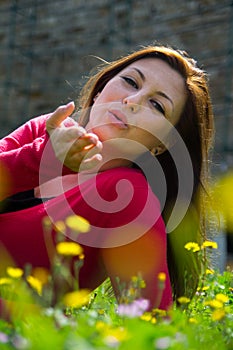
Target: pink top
[(127, 233)]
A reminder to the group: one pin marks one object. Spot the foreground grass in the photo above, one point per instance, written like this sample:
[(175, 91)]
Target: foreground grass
[(206, 321)]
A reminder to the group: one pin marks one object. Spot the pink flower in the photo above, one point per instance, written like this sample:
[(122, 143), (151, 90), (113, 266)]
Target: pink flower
[(3, 338), (134, 309)]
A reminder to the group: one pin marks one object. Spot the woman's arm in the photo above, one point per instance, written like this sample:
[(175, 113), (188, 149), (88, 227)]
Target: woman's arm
[(20, 154), (44, 148)]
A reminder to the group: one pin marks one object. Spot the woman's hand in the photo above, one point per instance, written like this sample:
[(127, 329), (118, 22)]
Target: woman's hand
[(71, 143)]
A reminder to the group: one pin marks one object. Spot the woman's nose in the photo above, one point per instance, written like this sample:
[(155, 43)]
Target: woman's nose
[(132, 103)]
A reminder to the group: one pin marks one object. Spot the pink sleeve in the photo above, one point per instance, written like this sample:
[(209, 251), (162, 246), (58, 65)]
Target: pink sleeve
[(20, 156)]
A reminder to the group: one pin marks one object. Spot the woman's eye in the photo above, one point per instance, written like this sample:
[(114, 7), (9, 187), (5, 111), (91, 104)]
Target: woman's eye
[(131, 82), (158, 106)]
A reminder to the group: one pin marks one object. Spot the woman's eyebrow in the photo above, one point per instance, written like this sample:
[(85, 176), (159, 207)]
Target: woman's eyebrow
[(157, 92), (140, 73), (165, 96)]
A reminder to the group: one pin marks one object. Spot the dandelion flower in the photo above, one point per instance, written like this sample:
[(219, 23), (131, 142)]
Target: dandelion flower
[(162, 277), (78, 223), (222, 298), (134, 279), (215, 304), (113, 336), (209, 271), (210, 244), (159, 312), (14, 272), (77, 298), (193, 246), (35, 284), (183, 300), (5, 280), (137, 280), (101, 312), (153, 320), (69, 249), (217, 315), (142, 284), (147, 316), (60, 226), (118, 333), (101, 326), (193, 320), (205, 288), (41, 274)]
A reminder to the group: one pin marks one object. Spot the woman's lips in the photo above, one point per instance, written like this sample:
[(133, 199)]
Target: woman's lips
[(118, 118)]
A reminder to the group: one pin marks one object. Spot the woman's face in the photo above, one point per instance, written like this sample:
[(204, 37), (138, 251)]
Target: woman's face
[(136, 105)]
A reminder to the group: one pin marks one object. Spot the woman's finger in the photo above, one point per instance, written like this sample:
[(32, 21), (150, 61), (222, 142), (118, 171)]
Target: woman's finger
[(79, 163), (84, 143), (57, 117), (71, 134), (89, 163)]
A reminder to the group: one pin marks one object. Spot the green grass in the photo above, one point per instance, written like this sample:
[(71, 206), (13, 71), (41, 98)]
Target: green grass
[(199, 324)]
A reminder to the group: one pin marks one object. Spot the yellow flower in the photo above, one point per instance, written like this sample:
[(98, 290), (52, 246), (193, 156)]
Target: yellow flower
[(193, 246), (142, 284), (159, 312), (119, 334), (162, 277), (69, 249), (222, 298), (153, 320), (215, 304), (41, 274), (209, 272), (205, 288), (35, 284), (101, 311), (138, 281), (183, 300), (60, 226), (78, 223), (132, 291), (210, 244), (193, 320), (14, 272), (5, 280), (217, 315), (77, 298), (134, 279), (100, 326), (147, 316)]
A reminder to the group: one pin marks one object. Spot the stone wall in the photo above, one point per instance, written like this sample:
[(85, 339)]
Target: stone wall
[(47, 49)]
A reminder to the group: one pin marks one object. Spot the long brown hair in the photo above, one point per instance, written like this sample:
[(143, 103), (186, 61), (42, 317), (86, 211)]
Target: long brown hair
[(195, 127)]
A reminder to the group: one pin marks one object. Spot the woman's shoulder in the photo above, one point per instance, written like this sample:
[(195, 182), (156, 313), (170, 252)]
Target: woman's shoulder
[(120, 173), (128, 182)]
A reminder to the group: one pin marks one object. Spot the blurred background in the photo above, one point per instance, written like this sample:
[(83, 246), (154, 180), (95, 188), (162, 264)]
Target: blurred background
[(47, 49)]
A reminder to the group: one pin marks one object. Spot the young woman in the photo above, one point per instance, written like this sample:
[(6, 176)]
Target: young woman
[(140, 146)]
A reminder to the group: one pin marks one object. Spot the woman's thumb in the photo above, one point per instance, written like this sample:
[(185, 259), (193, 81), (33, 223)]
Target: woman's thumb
[(60, 114)]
